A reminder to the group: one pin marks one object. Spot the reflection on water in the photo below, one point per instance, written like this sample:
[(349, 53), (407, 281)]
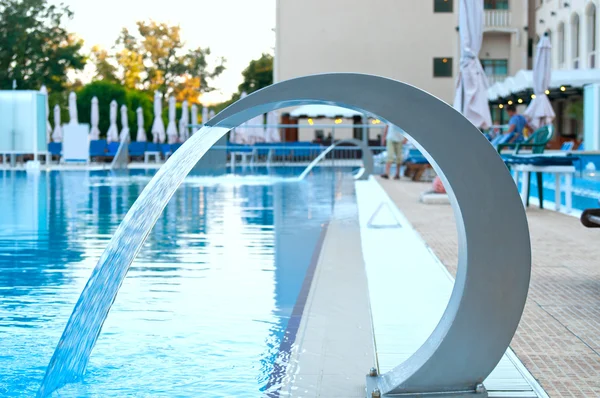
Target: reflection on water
[(205, 304)]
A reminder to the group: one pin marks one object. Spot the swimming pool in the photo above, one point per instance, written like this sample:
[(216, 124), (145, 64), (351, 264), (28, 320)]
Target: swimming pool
[(205, 306)]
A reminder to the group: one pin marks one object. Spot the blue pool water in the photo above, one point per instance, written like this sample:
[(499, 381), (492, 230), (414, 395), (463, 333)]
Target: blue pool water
[(205, 306)]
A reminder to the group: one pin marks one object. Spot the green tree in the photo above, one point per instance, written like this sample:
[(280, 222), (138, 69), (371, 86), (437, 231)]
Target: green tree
[(105, 70), (258, 74), (166, 65), (35, 48), (106, 92), (134, 100)]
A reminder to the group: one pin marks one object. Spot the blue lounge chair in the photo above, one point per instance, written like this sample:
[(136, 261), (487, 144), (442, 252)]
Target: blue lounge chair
[(166, 150), (137, 149), (152, 147), (113, 147), (175, 147), (55, 148), (502, 139), (98, 148), (567, 146)]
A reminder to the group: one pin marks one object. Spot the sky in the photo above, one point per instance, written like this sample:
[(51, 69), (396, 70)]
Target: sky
[(239, 30)]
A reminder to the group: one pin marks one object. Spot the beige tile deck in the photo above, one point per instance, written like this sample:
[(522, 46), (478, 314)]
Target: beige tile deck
[(558, 339), (334, 346)]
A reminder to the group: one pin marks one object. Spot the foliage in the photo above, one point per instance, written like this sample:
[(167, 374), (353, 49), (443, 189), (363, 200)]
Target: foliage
[(258, 74), (105, 70), (132, 64), (106, 92), (135, 99), (154, 59), (575, 110), (35, 48)]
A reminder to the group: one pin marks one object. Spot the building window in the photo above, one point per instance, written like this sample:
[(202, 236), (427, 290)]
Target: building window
[(590, 15), (561, 45), (442, 67), (575, 40), (495, 69), (443, 6), (495, 4)]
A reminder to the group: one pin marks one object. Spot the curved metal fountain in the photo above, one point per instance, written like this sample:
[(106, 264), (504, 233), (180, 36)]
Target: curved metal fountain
[(363, 173), (493, 275)]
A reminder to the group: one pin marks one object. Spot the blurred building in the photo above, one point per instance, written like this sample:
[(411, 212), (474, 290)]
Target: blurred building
[(572, 26), (408, 40)]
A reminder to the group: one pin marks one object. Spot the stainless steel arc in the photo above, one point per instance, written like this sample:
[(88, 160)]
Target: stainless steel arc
[(494, 247)]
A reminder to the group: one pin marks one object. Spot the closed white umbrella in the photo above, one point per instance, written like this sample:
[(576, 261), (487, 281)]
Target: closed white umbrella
[(172, 133), (194, 115), (95, 120), (204, 115), (113, 131), (57, 134), (141, 132), (539, 112), (184, 122), (272, 134), (256, 132), (73, 108), (471, 89), (124, 123), (44, 91), (158, 127)]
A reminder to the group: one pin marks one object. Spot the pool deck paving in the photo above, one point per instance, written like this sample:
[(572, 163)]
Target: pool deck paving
[(558, 339), (334, 348)]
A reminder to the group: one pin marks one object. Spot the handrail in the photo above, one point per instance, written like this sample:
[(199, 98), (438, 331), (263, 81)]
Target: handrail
[(367, 158)]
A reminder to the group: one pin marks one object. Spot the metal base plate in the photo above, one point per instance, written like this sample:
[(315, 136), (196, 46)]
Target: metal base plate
[(373, 385)]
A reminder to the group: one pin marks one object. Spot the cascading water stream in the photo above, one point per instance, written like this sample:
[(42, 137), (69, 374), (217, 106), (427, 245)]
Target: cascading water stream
[(72, 354)]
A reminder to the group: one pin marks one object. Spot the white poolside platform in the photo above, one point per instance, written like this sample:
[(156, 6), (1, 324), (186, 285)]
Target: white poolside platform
[(409, 289)]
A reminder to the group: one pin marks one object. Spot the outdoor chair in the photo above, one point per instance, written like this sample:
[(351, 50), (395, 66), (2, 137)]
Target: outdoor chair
[(137, 149), (98, 148), (113, 148), (152, 150), (536, 142), (55, 149), (567, 146)]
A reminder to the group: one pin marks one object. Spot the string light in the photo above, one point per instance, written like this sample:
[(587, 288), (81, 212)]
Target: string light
[(375, 121), (338, 121), (501, 106), (563, 88), (532, 96), (510, 102), (445, 60), (547, 92), (520, 100), (310, 121)]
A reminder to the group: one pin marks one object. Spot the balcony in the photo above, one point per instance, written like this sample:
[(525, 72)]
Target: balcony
[(497, 18)]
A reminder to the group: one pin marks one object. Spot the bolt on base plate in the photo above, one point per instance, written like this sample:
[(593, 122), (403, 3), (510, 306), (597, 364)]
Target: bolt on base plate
[(374, 392)]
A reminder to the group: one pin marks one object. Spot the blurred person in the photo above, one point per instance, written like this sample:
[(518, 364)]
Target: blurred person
[(393, 139), (516, 124)]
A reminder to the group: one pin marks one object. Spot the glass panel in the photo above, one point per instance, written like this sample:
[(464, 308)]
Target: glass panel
[(442, 67), (495, 4), (443, 6)]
